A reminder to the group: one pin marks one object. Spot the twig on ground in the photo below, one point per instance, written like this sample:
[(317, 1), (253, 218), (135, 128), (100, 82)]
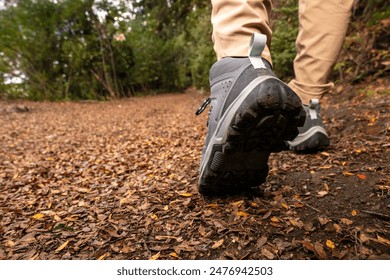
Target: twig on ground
[(380, 215), (315, 209), (357, 244)]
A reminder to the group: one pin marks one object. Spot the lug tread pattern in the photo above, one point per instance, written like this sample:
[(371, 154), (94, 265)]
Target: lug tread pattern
[(266, 119)]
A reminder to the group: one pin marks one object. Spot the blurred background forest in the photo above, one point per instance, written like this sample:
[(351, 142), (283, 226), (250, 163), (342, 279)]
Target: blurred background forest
[(100, 49)]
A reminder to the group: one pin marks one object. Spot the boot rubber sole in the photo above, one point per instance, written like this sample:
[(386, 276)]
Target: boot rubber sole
[(313, 140), (259, 121)]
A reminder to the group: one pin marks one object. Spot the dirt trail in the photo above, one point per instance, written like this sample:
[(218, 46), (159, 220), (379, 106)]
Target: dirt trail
[(117, 180)]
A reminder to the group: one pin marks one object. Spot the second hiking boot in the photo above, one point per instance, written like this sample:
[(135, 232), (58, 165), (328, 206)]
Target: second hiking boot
[(252, 114), (312, 136)]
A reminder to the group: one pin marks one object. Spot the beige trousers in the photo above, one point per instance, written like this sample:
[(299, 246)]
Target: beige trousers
[(323, 25)]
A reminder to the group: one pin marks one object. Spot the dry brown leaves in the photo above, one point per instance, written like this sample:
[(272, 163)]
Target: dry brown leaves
[(117, 180)]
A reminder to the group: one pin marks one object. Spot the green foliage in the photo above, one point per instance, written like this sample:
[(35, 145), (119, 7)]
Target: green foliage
[(285, 31), (372, 11), (171, 42), (199, 47), (366, 47), (63, 50), (60, 50), (66, 49), (374, 14)]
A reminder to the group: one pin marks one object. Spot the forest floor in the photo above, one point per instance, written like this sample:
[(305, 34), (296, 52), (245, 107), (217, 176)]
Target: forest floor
[(118, 180)]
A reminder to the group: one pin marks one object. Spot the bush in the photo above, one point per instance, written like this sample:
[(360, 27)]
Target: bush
[(285, 30)]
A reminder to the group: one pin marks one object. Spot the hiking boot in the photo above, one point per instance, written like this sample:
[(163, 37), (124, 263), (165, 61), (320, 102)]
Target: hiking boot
[(252, 114), (312, 136)]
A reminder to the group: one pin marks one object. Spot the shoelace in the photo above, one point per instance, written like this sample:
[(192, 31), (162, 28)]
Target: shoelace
[(203, 106)]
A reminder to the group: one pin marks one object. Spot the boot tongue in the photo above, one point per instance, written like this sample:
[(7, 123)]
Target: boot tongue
[(256, 48)]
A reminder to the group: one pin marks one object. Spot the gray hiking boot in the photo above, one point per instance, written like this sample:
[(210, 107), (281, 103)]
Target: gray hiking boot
[(312, 136), (252, 114)]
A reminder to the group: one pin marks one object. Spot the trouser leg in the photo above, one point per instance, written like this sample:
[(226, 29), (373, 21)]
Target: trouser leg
[(234, 22), (323, 25)]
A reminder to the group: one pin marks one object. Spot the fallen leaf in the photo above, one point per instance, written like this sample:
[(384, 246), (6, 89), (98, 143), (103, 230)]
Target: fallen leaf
[(155, 256), (275, 220), (164, 237), (186, 194), (330, 244), (290, 229), (38, 216), (9, 243), (323, 220), (62, 246), (354, 213), (281, 245), (383, 240), (28, 238), (361, 176), (277, 225), (346, 221), (319, 251), (309, 226), (266, 215), (213, 205), (296, 222), (184, 246), (202, 231), (322, 194), (174, 255), (348, 173), (267, 254), (242, 214), (337, 228), (299, 204), (217, 244), (364, 238), (237, 203), (122, 201), (261, 241), (285, 206), (81, 204), (326, 187), (308, 245), (220, 226), (102, 257)]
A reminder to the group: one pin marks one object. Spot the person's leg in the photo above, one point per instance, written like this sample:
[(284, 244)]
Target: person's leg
[(234, 22), (252, 113), (323, 26)]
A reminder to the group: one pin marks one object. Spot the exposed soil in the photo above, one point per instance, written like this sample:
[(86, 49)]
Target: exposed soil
[(118, 180)]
